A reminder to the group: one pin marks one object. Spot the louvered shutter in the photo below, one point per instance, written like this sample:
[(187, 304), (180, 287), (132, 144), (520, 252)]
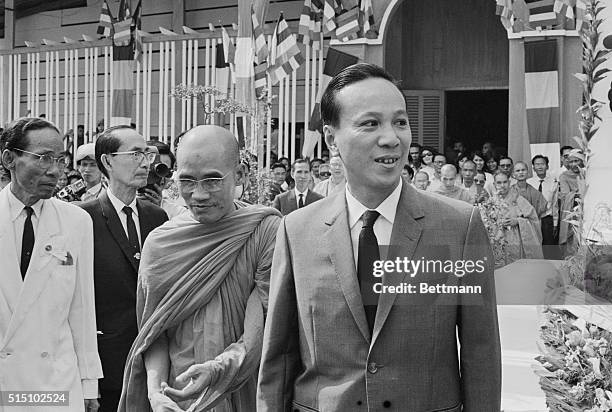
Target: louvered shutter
[(426, 116)]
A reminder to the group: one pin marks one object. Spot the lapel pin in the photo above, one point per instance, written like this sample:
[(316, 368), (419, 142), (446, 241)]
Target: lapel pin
[(48, 248), (137, 256)]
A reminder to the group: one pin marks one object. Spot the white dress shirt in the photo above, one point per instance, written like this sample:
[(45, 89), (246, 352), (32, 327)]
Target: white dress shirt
[(118, 205), (297, 196), (18, 217), (383, 225), (92, 193), (550, 190)]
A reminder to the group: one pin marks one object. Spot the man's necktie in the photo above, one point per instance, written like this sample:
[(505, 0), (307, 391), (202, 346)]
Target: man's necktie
[(366, 255), (131, 228), (540, 187), (301, 201), (27, 242)]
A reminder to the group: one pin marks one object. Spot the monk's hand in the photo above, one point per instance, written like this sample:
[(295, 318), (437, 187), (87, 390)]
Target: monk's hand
[(153, 195), (161, 403), (91, 405), (198, 378)]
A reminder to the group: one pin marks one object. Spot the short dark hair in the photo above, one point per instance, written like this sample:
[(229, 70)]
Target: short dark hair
[(299, 162), (15, 134), (505, 157), (539, 156), (277, 165), (409, 170), (330, 109), (316, 159), (163, 149), (414, 144), (563, 148), (107, 143)]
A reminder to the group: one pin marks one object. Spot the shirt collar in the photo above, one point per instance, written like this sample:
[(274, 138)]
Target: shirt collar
[(387, 208), (118, 204), (298, 193), (95, 189), (16, 206)]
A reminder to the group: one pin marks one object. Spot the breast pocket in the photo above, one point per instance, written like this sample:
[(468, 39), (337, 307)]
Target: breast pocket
[(61, 285)]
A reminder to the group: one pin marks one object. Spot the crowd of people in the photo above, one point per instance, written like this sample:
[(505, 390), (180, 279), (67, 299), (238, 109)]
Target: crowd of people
[(143, 281)]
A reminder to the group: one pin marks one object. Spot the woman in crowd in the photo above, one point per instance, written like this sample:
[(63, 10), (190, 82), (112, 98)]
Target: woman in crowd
[(491, 162), (479, 159), (520, 220), (427, 155), (336, 182)]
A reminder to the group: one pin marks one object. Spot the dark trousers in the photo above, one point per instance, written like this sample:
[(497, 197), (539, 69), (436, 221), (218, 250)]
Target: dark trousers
[(109, 400), (550, 248)]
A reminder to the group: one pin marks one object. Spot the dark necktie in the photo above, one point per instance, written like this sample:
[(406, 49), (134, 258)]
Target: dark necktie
[(131, 228), (27, 241), (540, 187), (301, 201), (366, 255)]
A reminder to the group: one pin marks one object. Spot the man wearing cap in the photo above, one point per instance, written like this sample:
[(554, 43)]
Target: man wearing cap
[(572, 186), (88, 168)]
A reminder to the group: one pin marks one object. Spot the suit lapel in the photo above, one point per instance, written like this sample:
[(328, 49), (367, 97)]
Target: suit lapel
[(116, 229), (10, 279), (291, 202), (309, 198), (341, 253), (146, 224), (405, 236), (46, 241)]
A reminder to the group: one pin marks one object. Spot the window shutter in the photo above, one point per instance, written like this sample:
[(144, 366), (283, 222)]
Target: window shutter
[(426, 116)]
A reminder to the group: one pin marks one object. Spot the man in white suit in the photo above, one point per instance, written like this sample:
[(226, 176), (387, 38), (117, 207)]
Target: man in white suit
[(47, 314), (334, 340)]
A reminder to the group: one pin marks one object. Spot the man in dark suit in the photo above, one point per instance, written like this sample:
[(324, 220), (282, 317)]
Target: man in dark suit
[(121, 225), (300, 196), (343, 335)]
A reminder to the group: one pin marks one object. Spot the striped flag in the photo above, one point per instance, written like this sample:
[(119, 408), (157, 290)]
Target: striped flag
[(565, 8), (581, 9), (106, 21), (503, 8), (335, 62), (229, 49), (285, 54), (310, 23), (261, 47), (542, 13), (137, 32), (348, 25), (123, 74), (260, 78), (542, 91), (222, 71), (329, 16), (367, 18)]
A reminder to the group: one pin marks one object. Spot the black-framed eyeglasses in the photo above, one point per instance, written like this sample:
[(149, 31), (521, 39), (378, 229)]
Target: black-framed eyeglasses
[(478, 181), (209, 184), (325, 174), (46, 161), (137, 156)]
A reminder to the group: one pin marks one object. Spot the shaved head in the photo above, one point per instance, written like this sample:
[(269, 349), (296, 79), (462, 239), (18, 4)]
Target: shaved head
[(210, 138), (448, 170)]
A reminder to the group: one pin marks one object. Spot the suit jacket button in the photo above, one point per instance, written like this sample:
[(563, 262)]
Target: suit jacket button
[(359, 403), (372, 368), (386, 404)]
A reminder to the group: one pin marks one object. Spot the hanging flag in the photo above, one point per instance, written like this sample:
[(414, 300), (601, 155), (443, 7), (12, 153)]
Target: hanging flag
[(260, 78), (335, 62), (565, 8), (581, 9), (285, 54), (136, 32), (503, 8), (329, 16), (222, 72), (229, 49), (542, 91), (310, 22), (261, 48), (542, 13), (123, 26), (367, 19), (348, 25), (106, 21), (122, 67)]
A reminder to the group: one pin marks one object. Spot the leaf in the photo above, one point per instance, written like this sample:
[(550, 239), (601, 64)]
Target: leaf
[(602, 72), (581, 76)]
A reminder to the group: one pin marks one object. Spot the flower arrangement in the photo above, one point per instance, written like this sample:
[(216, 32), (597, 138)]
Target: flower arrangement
[(492, 211), (577, 364)]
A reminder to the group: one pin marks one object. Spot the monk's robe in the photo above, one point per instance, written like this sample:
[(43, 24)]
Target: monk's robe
[(455, 193), (524, 240), (477, 193), (571, 187), (205, 287), (534, 197)]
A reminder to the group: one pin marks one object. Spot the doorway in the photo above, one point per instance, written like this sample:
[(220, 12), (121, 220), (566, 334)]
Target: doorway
[(477, 116)]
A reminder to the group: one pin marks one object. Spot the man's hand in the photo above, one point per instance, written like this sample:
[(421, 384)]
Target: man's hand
[(161, 403), (510, 221), (91, 405), (153, 196), (201, 376)]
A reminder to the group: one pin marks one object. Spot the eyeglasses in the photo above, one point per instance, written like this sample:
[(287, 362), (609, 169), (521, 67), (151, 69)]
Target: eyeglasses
[(325, 174), (210, 184), (137, 156), (46, 161), (478, 181)]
